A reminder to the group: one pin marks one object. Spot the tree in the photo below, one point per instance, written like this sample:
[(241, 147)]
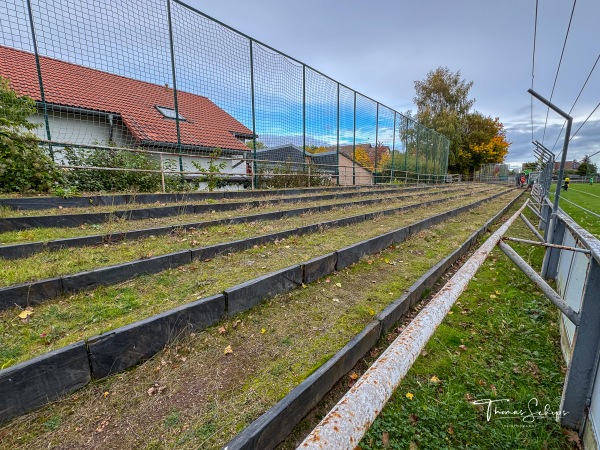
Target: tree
[(587, 168), (362, 157), (24, 166), (484, 142), (443, 103), (259, 145)]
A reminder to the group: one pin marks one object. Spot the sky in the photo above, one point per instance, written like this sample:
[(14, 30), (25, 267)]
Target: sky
[(380, 47)]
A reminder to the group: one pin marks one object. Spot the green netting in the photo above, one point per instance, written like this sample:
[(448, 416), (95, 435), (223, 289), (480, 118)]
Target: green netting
[(158, 82)]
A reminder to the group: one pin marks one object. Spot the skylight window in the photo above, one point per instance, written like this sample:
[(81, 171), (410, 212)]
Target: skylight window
[(169, 113)]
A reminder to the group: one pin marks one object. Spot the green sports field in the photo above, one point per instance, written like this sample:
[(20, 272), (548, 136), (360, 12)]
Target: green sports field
[(582, 203)]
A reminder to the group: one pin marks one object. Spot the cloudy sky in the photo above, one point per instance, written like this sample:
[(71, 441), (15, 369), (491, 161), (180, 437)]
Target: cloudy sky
[(380, 47)]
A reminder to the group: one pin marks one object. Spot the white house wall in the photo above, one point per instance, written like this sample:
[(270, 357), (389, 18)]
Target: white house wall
[(171, 164), (77, 129)]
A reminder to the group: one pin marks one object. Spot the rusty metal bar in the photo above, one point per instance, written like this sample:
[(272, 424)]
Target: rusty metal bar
[(541, 283), (545, 244), (532, 228), (347, 422), (533, 210)]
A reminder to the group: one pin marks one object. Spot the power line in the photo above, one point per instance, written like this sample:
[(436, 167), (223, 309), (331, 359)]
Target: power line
[(558, 69), (533, 62), (584, 122), (577, 99)]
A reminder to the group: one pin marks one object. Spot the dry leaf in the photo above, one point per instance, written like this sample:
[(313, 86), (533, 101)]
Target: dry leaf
[(222, 330), (409, 395), (26, 313), (338, 285), (156, 389), (100, 428), (434, 379), (385, 438), (228, 350), (353, 376), (263, 331), (413, 446), (413, 418)]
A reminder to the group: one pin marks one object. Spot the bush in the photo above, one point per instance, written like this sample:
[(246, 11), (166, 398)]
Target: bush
[(286, 176), (94, 180), (24, 165)]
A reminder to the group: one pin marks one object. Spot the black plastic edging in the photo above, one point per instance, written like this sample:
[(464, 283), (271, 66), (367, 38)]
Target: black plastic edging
[(76, 220), (274, 426), (33, 203), (124, 347), (16, 251), (28, 294), (33, 383)]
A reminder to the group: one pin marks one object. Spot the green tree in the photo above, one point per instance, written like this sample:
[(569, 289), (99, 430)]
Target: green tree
[(24, 165), (587, 168), (443, 103), (259, 145)]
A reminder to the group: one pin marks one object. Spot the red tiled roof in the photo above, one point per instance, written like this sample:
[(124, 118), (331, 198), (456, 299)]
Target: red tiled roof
[(68, 84)]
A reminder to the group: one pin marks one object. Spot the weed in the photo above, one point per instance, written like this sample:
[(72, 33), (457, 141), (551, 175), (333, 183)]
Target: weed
[(173, 419)]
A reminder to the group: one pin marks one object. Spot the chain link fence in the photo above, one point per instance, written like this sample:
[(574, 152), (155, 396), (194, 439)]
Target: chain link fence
[(161, 89)]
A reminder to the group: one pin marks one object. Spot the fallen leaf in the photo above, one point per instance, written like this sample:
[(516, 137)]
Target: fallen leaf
[(100, 428), (105, 394), (409, 395), (263, 331), (385, 438), (572, 436), (338, 285), (155, 389), (353, 376), (304, 286), (236, 323), (26, 313), (451, 430), (413, 446), (462, 347), (228, 350), (413, 418), (434, 379), (222, 330), (492, 295)]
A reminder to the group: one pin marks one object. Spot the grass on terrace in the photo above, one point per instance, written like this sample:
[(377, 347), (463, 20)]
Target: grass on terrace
[(49, 264), (209, 396)]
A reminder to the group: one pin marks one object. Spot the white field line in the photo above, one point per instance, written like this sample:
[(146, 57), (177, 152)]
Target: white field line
[(583, 192), (586, 210)]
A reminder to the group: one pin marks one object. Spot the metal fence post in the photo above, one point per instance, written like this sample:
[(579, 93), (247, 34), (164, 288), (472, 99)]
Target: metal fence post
[(553, 252), (304, 119), (354, 144), (337, 152), (376, 143), (393, 149), (254, 175), (581, 373), (174, 77), (39, 75)]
